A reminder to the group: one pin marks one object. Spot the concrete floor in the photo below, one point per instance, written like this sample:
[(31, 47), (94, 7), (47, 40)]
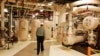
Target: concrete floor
[(52, 48)]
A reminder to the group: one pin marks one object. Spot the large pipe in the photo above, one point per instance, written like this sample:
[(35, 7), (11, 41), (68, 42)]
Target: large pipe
[(92, 38), (73, 40)]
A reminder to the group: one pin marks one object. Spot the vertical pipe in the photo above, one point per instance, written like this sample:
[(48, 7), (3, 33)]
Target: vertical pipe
[(2, 18), (61, 11), (70, 30), (2, 14), (11, 16), (70, 24), (10, 25), (22, 8), (17, 7)]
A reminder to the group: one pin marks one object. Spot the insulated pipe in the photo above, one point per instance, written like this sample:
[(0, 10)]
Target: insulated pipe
[(92, 39), (2, 14), (2, 22), (71, 40), (10, 23), (90, 22)]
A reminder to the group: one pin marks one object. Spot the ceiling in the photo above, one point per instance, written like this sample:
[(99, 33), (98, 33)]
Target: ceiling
[(40, 1), (58, 1), (32, 5)]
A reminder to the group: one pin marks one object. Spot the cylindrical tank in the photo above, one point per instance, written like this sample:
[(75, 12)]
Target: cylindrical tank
[(48, 27), (35, 23), (23, 29)]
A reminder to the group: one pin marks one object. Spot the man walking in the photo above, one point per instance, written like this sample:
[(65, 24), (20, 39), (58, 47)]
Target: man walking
[(40, 33)]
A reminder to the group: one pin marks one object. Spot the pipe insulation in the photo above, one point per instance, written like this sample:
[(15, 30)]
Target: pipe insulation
[(90, 22), (73, 39)]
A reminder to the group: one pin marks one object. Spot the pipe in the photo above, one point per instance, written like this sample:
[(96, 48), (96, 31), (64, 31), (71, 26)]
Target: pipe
[(92, 38), (73, 40), (2, 14)]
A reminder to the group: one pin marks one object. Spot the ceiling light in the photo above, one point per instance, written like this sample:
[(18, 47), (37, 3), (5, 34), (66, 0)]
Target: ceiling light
[(51, 3), (33, 16), (5, 10), (42, 4), (38, 4), (41, 10), (66, 12), (37, 14)]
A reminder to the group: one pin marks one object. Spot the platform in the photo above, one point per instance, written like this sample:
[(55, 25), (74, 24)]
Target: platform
[(59, 50)]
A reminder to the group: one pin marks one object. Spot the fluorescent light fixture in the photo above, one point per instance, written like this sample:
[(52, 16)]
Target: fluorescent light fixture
[(37, 14), (51, 3), (38, 4), (66, 12), (77, 20), (41, 10), (33, 16), (5, 10), (42, 4)]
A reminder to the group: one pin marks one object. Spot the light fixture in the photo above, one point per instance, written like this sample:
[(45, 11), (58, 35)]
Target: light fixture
[(42, 4), (38, 4), (41, 10), (77, 20), (33, 16), (5, 10), (51, 3), (37, 14), (66, 12)]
